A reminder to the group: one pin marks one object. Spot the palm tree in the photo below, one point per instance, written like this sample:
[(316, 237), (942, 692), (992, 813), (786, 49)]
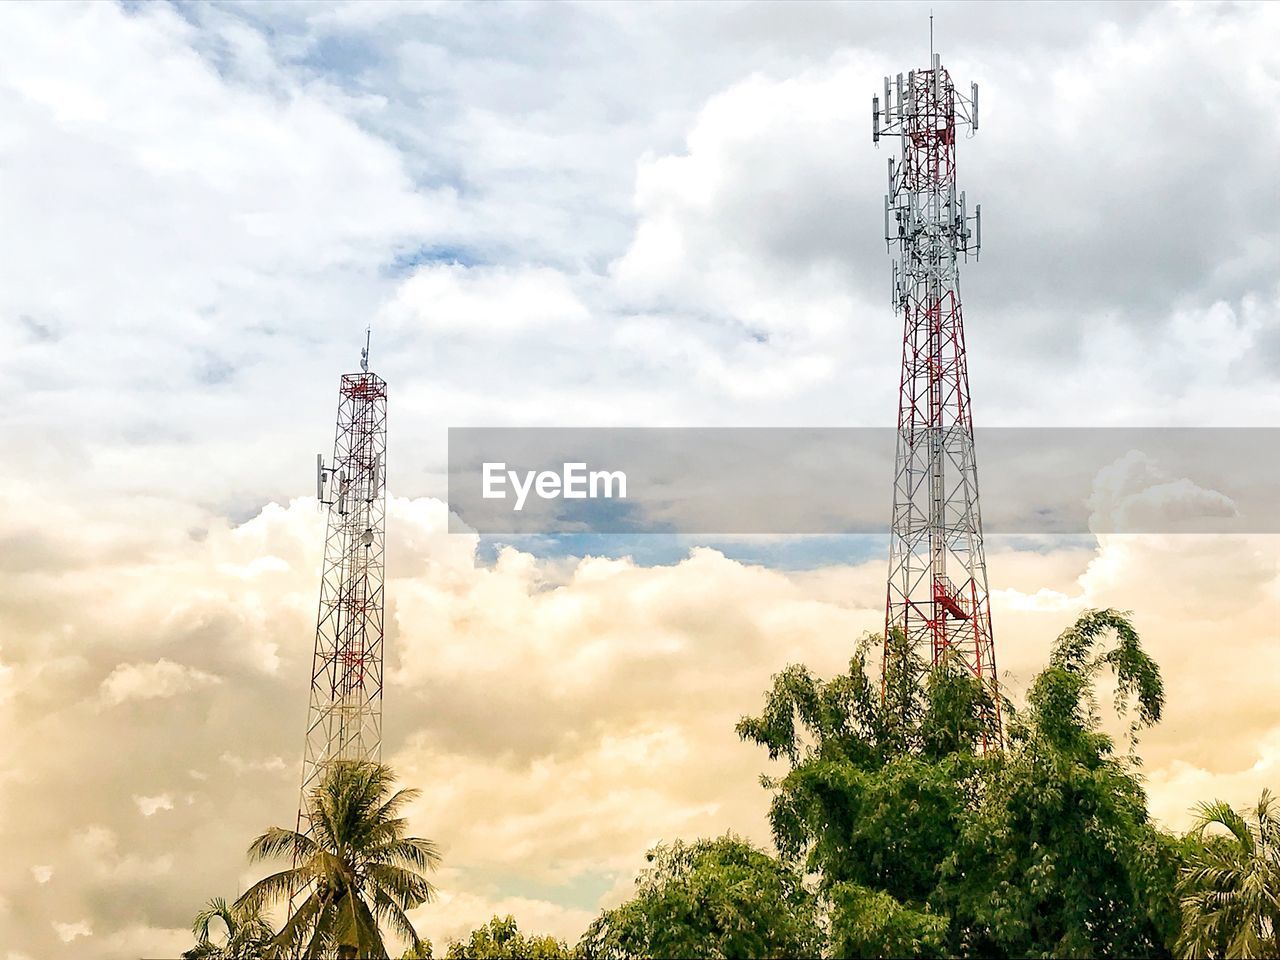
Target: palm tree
[(248, 934), (1230, 891), (354, 871)]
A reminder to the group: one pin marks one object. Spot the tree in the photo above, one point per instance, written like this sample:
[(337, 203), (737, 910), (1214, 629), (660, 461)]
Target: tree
[(1060, 859), (709, 899), (870, 923), (247, 933), (1230, 887), (419, 951), (877, 789), (354, 872), (924, 845), (501, 939)]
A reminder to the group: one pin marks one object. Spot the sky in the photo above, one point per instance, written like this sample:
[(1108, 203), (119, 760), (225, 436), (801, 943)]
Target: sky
[(564, 215)]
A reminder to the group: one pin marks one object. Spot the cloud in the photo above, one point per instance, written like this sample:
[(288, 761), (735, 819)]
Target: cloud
[(589, 215), (1239, 782), (98, 847), (240, 766), (682, 234), (151, 681), (149, 806), (1135, 493), (559, 715), (486, 301), (68, 932)]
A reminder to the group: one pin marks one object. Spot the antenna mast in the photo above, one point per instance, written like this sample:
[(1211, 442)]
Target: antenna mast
[(344, 719), (937, 586)]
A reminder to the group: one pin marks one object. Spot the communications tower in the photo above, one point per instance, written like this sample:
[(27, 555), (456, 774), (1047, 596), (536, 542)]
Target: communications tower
[(937, 588), (344, 720)]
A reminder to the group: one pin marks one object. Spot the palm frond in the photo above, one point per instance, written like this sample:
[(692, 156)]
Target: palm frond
[(323, 942), (1268, 819), (370, 938), (385, 907), (278, 842), (416, 853), (297, 926), (276, 887), (392, 829), (390, 809), (1221, 813), (215, 909), (1229, 892), (405, 887)]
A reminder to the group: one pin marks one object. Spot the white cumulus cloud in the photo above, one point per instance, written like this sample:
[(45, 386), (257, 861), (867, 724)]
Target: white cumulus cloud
[(152, 681)]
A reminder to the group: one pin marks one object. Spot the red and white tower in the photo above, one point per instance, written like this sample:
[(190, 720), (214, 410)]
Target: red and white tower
[(937, 590), (344, 720)]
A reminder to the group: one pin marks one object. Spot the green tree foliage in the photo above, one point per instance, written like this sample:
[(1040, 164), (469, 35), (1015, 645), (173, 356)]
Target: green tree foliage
[(870, 923), (245, 934), (877, 788), (923, 846), (353, 874), (709, 899), (501, 939), (1230, 885), (419, 951), (1060, 858)]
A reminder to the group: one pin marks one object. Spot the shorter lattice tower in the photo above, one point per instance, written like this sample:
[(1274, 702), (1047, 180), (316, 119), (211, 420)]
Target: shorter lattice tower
[(344, 720)]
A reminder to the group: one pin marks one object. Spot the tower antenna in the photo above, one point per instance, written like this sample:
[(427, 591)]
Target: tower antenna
[(937, 598), (344, 717)]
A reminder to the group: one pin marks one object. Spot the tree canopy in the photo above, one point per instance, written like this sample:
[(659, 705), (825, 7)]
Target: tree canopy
[(1230, 888), (924, 845), (354, 873), (709, 899), (501, 939), (245, 933)]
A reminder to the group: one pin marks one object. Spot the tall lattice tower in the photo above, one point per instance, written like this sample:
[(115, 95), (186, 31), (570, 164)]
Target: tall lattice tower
[(344, 720), (937, 589)]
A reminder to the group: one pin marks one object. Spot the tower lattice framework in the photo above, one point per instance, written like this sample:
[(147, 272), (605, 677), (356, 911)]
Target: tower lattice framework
[(937, 585), (344, 719)]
